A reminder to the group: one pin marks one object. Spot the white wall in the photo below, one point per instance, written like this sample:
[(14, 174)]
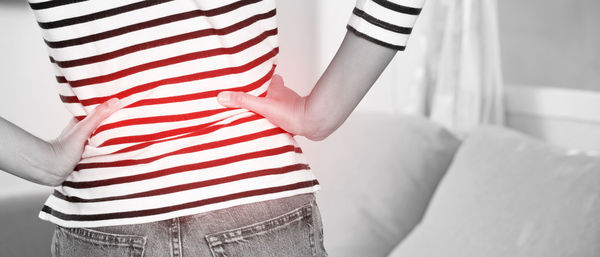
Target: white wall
[(551, 64), (551, 42), (298, 55), (27, 91)]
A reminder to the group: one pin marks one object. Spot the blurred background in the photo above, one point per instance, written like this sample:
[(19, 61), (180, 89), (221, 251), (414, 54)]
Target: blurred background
[(506, 52)]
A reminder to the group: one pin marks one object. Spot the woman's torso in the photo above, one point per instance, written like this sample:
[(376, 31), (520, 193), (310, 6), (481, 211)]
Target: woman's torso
[(172, 150)]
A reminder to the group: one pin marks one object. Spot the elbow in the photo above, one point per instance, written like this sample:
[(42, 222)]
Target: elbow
[(318, 131), (317, 137), (318, 124), (53, 183)]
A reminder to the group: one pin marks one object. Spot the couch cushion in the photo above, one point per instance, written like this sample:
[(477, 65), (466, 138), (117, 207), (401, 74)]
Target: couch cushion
[(377, 174), (509, 195)]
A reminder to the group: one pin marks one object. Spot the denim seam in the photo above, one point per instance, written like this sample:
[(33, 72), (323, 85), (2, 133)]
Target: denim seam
[(55, 248), (103, 238), (311, 236), (134, 243), (175, 236), (220, 238)]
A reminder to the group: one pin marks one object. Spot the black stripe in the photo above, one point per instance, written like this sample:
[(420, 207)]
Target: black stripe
[(162, 210), (398, 8), (52, 4), (61, 79), (193, 166), (188, 186), (185, 78), (163, 41), (376, 41), (380, 23), (173, 60), (148, 24), (100, 15)]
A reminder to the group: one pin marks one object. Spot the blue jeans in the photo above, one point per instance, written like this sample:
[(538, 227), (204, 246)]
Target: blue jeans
[(283, 227)]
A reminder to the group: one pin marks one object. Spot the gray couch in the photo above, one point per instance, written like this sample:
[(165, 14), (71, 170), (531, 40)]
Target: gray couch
[(377, 172)]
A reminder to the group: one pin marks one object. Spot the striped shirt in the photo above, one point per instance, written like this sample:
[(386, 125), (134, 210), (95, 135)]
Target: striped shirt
[(173, 150)]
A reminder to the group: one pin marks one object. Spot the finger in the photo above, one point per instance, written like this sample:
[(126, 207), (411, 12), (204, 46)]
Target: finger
[(85, 127), (264, 106)]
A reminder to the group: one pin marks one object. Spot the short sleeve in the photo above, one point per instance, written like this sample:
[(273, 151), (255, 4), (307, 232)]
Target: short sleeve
[(385, 22)]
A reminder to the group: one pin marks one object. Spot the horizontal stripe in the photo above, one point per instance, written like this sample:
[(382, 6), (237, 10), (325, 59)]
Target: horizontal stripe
[(144, 131), (186, 78), (214, 61), (170, 199), (146, 25), (190, 149), (183, 168), (193, 204), (189, 186), (380, 23), (199, 129), (245, 128), (101, 14), (143, 49), (191, 132), (398, 8), (207, 94), (182, 98), (160, 119), (173, 60), (61, 79), (52, 4), (374, 40), (69, 99)]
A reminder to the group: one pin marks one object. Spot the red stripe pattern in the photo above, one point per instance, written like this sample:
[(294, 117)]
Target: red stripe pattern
[(172, 150)]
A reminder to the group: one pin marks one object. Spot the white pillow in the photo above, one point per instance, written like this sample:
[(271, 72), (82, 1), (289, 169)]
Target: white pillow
[(377, 174), (509, 195)]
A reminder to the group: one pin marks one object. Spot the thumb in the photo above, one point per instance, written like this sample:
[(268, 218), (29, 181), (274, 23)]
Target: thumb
[(276, 88), (85, 127)]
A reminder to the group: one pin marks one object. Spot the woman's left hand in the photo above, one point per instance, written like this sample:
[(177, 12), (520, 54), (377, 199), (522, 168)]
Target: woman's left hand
[(69, 145), (282, 106)]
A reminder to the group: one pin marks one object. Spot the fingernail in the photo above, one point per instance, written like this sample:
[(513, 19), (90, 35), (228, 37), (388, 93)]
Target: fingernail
[(224, 97), (114, 103)]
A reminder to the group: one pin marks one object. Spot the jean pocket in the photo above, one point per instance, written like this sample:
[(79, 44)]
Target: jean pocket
[(291, 234), (71, 242)]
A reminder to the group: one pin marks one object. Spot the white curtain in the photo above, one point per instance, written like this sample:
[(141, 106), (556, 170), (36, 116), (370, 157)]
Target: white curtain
[(457, 80)]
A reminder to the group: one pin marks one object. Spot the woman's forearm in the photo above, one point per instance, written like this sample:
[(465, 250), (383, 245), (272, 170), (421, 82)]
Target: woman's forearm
[(49, 163), (354, 69), (25, 155)]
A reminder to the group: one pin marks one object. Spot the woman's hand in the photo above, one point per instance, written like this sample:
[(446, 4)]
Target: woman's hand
[(49, 163), (282, 107), (68, 147), (353, 70)]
